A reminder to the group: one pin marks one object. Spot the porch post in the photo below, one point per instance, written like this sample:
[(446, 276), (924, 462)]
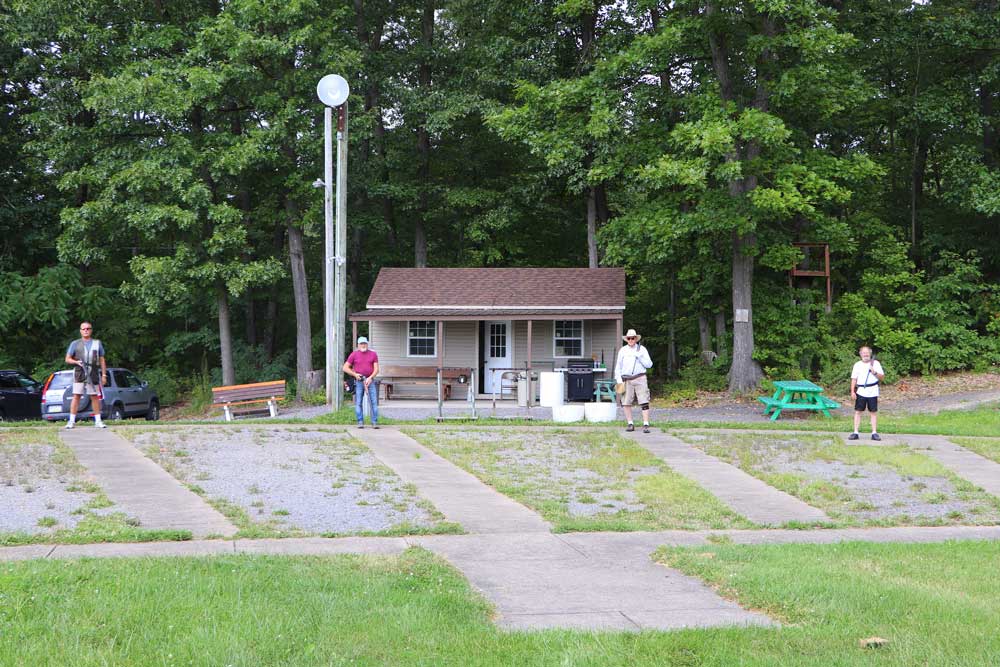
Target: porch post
[(527, 371), (440, 335), (529, 345), (354, 334), (618, 339)]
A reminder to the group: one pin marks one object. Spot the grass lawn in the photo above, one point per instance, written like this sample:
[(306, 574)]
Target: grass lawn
[(856, 485), (931, 602), (986, 447), (38, 470), (582, 480), (937, 604), (983, 421)]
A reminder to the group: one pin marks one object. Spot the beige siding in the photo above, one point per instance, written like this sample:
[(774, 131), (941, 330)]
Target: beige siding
[(389, 340), (461, 343), (597, 335)]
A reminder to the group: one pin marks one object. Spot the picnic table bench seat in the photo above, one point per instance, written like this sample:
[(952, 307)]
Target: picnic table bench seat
[(392, 377), (797, 395), (231, 396)]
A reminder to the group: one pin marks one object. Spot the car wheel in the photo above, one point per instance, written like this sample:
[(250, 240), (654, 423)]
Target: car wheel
[(117, 412), (154, 411)]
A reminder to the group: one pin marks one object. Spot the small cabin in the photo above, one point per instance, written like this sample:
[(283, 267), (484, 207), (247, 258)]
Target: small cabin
[(494, 320)]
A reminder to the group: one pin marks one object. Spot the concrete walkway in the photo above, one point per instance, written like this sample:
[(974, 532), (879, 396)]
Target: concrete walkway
[(968, 465), (743, 493), (139, 487), (461, 497)]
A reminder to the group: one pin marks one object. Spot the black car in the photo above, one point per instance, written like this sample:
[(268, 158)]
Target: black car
[(20, 396)]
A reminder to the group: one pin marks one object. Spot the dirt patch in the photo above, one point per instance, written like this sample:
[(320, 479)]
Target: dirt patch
[(42, 487), (856, 484), (292, 480)]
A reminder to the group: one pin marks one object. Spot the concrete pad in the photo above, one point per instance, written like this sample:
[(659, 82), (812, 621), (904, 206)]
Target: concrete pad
[(322, 546), (677, 619), (461, 497), (144, 549), (498, 548), (742, 492), (609, 620), (139, 487), (27, 552), (615, 547)]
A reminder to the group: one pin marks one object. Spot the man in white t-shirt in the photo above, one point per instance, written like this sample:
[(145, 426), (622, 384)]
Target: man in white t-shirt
[(865, 377)]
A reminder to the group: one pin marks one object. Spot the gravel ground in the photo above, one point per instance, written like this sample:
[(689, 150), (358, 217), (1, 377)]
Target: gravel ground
[(868, 493), (291, 479), (40, 481), (553, 469)]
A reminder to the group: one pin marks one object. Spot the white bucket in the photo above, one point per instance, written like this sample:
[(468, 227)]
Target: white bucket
[(551, 389), (572, 412), (605, 411)]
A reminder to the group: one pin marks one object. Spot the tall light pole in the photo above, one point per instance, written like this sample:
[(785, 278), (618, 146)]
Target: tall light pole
[(333, 90)]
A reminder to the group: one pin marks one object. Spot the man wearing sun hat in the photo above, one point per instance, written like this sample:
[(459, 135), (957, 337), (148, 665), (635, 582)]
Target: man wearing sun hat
[(362, 365), (630, 369)]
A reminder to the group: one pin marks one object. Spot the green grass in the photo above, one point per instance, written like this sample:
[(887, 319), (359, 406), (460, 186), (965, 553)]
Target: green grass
[(668, 499), (985, 447), (92, 527), (937, 604), (983, 421), (835, 497), (931, 601)]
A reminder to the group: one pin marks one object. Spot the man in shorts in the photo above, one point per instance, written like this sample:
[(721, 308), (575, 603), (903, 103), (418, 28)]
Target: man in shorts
[(630, 367), (865, 377), (90, 372)]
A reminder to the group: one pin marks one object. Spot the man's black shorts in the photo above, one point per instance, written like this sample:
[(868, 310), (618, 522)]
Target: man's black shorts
[(870, 402)]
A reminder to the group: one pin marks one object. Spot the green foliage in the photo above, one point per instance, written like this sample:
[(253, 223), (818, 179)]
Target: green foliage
[(164, 382)]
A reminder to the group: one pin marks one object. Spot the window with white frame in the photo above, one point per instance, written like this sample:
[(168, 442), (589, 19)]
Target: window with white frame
[(421, 338), (567, 338)]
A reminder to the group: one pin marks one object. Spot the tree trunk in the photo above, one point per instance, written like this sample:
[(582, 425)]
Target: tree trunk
[(721, 342), (423, 140), (300, 292), (225, 336), (672, 333), (919, 167), (705, 339), (744, 373), (591, 228), (251, 320)]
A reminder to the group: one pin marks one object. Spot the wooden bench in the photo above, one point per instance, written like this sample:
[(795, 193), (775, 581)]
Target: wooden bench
[(423, 376), (248, 394)]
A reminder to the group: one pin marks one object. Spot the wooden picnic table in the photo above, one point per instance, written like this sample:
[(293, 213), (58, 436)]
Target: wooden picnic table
[(797, 395)]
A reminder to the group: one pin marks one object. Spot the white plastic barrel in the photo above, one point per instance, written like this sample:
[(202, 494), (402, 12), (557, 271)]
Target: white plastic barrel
[(552, 389), (605, 411), (570, 412)]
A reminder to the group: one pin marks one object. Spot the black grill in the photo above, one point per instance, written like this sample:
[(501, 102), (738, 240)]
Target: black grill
[(580, 380)]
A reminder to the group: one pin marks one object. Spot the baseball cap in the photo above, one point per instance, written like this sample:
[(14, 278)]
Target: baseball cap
[(362, 339)]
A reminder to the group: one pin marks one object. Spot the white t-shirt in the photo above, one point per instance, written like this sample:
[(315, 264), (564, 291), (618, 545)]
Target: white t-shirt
[(866, 374), (632, 361)]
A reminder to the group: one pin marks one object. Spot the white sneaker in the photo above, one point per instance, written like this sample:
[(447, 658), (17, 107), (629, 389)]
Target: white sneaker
[(69, 425), (100, 425)]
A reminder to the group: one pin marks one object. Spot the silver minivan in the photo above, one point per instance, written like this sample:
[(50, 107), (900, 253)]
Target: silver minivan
[(124, 396)]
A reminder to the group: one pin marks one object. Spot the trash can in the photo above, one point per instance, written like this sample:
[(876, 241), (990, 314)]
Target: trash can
[(522, 390), (552, 389)]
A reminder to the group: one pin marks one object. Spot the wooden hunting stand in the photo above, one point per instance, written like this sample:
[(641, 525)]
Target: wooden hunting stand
[(804, 268)]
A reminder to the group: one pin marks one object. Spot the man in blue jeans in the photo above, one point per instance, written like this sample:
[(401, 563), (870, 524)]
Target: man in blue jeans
[(362, 365)]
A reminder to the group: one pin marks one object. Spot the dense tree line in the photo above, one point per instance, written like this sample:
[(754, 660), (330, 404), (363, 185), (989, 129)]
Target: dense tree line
[(157, 162)]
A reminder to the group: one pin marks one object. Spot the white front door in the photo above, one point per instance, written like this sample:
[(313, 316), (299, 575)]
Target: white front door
[(499, 354)]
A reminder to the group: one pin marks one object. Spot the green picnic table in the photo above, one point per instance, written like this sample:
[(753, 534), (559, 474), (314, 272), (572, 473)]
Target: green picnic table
[(796, 395)]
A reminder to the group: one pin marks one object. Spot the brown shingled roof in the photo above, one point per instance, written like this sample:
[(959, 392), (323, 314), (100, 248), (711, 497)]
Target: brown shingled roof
[(499, 288)]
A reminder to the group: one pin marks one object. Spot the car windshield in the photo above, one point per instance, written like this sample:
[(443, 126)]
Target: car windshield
[(60, 380)]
